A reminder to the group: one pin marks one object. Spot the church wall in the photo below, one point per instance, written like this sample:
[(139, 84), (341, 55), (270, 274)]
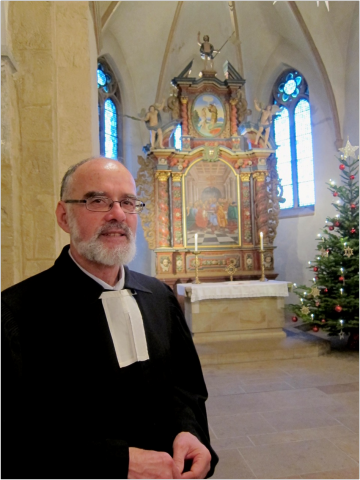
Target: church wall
[(50, 94), (135, 135)]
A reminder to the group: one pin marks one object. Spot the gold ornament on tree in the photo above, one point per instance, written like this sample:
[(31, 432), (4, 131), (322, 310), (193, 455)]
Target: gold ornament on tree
[(305, 310), (348, 150), (315, 292), (348, 252)]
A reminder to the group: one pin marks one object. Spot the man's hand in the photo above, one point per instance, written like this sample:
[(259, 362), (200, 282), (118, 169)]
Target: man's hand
[(187, 447), (151, 464)]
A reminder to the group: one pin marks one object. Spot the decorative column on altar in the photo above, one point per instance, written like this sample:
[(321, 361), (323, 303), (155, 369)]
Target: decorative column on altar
[(163, 207), (185, 139), (261, 206), (177, 210)]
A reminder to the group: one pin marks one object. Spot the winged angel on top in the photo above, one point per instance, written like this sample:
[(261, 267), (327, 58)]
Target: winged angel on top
[(152, 119), (265, 120)]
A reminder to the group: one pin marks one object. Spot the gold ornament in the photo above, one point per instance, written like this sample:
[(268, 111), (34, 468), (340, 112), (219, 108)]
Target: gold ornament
[(305, 310), (348, 150), (231, 269), (341, 335), (348, 252), (323, 252), (315, 292)]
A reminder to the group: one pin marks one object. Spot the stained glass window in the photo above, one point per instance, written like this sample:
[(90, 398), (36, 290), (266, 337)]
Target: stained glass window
[(111, 137), (177, 137), (110, 119), (293, 137)]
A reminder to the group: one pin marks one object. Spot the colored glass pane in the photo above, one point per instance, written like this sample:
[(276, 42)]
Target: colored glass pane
[(304, 154), (290, 87), (101, 78), (283, 154), (111, 129), (177, 137)]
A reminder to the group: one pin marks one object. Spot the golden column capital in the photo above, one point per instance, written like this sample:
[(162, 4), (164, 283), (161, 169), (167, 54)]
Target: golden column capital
[(184, 99), (162, 175), (245, 177), (260, 176), (176, 176)]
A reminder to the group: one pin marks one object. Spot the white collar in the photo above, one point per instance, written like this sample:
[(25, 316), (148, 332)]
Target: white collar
[(118, 286)]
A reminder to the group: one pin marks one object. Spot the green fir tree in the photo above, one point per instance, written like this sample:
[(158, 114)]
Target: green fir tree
[(332, 301)]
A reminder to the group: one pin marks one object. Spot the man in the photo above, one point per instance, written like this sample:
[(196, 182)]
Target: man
[(100, 378)]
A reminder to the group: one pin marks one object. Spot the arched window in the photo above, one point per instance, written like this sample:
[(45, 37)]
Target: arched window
[(110, 118), (293, 137), (177, 137)]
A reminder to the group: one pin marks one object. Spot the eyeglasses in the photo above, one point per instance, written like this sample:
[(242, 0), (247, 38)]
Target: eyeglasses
[(105, 204)]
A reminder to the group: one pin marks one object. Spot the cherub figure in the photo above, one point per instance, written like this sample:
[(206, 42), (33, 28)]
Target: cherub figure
[(207, 51), (153, 122), (265, 120)]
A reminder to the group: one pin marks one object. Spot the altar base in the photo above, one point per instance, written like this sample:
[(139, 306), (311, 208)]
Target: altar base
[(246, 328)]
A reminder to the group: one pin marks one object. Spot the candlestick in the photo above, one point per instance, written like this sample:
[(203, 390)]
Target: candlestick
[(261, 241), (196, 242), (197, 263)]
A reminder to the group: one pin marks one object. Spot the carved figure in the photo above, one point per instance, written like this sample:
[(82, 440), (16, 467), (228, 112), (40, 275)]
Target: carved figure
[(173, 104), (242, 106), (265, 120), (207, 51), (153, 123)]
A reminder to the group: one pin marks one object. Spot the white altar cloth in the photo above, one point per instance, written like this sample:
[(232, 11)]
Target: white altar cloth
[(239, 289)]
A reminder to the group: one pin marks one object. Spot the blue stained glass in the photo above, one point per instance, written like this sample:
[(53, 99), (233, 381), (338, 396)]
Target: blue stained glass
[(101, 78), (304, 154), (290, 87), (283, 154), (298, 80), (177, 137), (111, 129)]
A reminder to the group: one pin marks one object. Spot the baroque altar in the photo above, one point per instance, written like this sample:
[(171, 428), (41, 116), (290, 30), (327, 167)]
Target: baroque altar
[(216, 184)]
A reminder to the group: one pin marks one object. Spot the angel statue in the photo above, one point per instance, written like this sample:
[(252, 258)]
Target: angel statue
[(152, 119), (265, 120)]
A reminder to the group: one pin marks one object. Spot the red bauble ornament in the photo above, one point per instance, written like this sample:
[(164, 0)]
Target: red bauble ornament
[(352, 230), (342, 167), (323, 320), (315, 269), (294, 319), (326, 290), (337, 224), (317, 304), (341, 279), (335, 194), (338, 308), (353, 206), (315, 328), (316, 278), (352, 177), (331, 228)]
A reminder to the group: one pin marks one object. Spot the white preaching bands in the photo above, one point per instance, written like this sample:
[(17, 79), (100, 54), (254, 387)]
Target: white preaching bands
[(124, 319)]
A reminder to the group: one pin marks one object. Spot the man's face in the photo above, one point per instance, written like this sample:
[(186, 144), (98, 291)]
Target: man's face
[(106, 238)]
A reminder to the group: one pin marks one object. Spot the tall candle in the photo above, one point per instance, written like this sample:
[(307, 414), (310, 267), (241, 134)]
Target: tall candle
[(261, 241), (196, 239)]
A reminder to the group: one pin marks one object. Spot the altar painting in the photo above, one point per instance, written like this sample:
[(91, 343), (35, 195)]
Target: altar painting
[(211, 203), (208, 115)]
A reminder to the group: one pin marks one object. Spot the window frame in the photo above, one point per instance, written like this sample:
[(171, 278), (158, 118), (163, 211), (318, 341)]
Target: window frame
[(114, 95), (295, 210)]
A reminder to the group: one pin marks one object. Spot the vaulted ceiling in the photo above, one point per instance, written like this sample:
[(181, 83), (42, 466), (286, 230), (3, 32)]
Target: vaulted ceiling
[(156, 40)]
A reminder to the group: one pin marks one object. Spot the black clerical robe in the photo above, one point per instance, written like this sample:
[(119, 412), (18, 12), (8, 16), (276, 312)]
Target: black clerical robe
[(68, 409)]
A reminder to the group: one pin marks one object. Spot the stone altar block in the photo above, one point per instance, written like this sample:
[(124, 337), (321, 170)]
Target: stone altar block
[(228, 311), (243, 321)]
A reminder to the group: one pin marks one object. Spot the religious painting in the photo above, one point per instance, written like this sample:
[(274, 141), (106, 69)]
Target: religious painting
[(211, 205), (208, 115)]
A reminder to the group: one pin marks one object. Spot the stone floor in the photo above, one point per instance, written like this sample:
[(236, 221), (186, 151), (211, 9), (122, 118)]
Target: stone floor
[(296, 418)]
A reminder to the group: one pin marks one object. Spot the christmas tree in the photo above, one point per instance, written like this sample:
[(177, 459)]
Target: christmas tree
[(332, 301)]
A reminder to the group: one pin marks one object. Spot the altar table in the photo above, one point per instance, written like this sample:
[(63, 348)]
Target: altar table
[(217, 312)]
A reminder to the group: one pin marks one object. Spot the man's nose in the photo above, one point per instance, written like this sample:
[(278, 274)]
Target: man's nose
[(116, 213)]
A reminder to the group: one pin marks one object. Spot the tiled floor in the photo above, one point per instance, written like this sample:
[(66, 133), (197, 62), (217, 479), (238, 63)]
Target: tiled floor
[(295, 418)]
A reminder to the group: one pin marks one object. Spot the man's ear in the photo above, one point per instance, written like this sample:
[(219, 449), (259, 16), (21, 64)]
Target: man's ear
[(62, 217)]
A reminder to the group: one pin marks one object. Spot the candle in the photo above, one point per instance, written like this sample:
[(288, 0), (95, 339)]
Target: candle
[(196, 239), (261, 241)]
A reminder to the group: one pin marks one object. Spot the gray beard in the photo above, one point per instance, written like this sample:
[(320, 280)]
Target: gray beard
[(95, 251)]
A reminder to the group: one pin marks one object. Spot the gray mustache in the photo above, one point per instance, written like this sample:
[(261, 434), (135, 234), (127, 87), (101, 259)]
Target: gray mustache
[(118, 225)]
